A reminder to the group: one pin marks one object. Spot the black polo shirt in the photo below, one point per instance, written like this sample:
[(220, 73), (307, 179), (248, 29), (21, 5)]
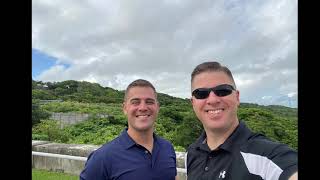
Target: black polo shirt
[(123, 159), (243, 156)]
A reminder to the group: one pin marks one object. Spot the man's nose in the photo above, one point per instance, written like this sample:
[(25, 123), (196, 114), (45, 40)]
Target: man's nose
[(213, 98), (142, 106)]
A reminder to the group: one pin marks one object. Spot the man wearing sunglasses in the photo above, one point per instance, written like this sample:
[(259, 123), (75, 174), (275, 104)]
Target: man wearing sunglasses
[(227, 149)]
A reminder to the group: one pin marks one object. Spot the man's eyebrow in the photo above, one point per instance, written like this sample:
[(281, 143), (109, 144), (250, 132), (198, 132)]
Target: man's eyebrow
[(135, 99)]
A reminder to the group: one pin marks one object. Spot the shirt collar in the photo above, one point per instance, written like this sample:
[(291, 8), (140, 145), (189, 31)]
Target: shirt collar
[(238, 136), (128, 142)]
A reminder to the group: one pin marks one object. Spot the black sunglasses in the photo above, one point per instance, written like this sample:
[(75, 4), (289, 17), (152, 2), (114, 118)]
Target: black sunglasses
[(221, 90)]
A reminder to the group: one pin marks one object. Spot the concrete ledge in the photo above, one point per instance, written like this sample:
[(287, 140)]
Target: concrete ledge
[(35, 143), (82, 150), (70, 158), (180, 159), (68, 149), (57, 164), (70, 164)]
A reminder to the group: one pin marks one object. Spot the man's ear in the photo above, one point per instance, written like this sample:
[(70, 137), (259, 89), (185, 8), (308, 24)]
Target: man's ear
[(124, 108), (191, 100), (158, 104), (238, 97)]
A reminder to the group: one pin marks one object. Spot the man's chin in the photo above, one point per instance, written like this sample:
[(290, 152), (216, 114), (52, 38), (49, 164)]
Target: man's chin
[(216, 126), (144, 128)]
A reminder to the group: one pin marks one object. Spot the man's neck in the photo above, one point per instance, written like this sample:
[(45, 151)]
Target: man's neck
[(216, 138), (143, 138)]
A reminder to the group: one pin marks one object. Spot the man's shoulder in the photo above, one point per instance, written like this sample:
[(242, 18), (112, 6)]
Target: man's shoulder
[(195, 144), (261, 145), (107, 148), (268, 153), (192, 146)]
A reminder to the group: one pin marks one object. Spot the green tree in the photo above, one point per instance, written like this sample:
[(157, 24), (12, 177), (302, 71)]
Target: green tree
[(38, 113), (42, 94), (188, 131)]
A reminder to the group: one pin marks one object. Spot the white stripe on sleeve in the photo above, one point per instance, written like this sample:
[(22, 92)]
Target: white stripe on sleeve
[(262, 166)]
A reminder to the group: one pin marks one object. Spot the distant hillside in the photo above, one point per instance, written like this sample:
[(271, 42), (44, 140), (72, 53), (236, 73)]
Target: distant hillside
[(276, 109), (75, 91), (176, 121), (82, 91)]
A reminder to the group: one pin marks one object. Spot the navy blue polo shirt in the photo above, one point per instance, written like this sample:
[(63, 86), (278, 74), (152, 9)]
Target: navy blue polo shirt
[(244, 155), (123, 159)]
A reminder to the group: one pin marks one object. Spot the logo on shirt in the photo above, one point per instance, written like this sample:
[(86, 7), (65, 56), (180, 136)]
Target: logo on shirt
[(222, 174)]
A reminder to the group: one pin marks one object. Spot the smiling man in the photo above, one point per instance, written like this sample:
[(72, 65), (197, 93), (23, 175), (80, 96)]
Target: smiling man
[(227, 149), (137, 153)]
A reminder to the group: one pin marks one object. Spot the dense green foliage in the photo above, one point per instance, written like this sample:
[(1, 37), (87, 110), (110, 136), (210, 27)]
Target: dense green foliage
[(176, 121), (38, 113), (76, 91)]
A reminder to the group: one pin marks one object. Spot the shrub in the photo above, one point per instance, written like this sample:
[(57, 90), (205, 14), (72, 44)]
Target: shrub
[(42, 137), (52, 130), (38, 113)]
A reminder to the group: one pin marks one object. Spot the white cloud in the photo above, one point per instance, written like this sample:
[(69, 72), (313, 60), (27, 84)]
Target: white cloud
[(114, 42), (292, 94), (55, 73)]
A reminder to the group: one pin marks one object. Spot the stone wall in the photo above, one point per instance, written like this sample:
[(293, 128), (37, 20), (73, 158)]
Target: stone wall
[(73, 118)]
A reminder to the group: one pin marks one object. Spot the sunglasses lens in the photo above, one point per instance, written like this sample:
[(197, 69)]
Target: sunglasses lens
[(201, 93), (220, 91), (223, 92)]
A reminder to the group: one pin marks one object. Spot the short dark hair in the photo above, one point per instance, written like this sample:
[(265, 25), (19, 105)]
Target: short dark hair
[(139, 83), (211, 66)]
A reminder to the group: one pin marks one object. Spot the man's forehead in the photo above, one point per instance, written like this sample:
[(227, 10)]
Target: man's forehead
[(141, 93), (140, 89), (142, 98), (214, 76)]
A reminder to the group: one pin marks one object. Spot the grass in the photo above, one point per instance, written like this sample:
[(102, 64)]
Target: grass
[(48, 175)]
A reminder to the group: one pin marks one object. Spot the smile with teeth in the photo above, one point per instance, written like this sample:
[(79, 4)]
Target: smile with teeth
[(146, 115), (216, 111)]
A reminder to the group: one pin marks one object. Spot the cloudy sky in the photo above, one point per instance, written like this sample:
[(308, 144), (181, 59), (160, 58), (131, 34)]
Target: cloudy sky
[(115, 42)]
